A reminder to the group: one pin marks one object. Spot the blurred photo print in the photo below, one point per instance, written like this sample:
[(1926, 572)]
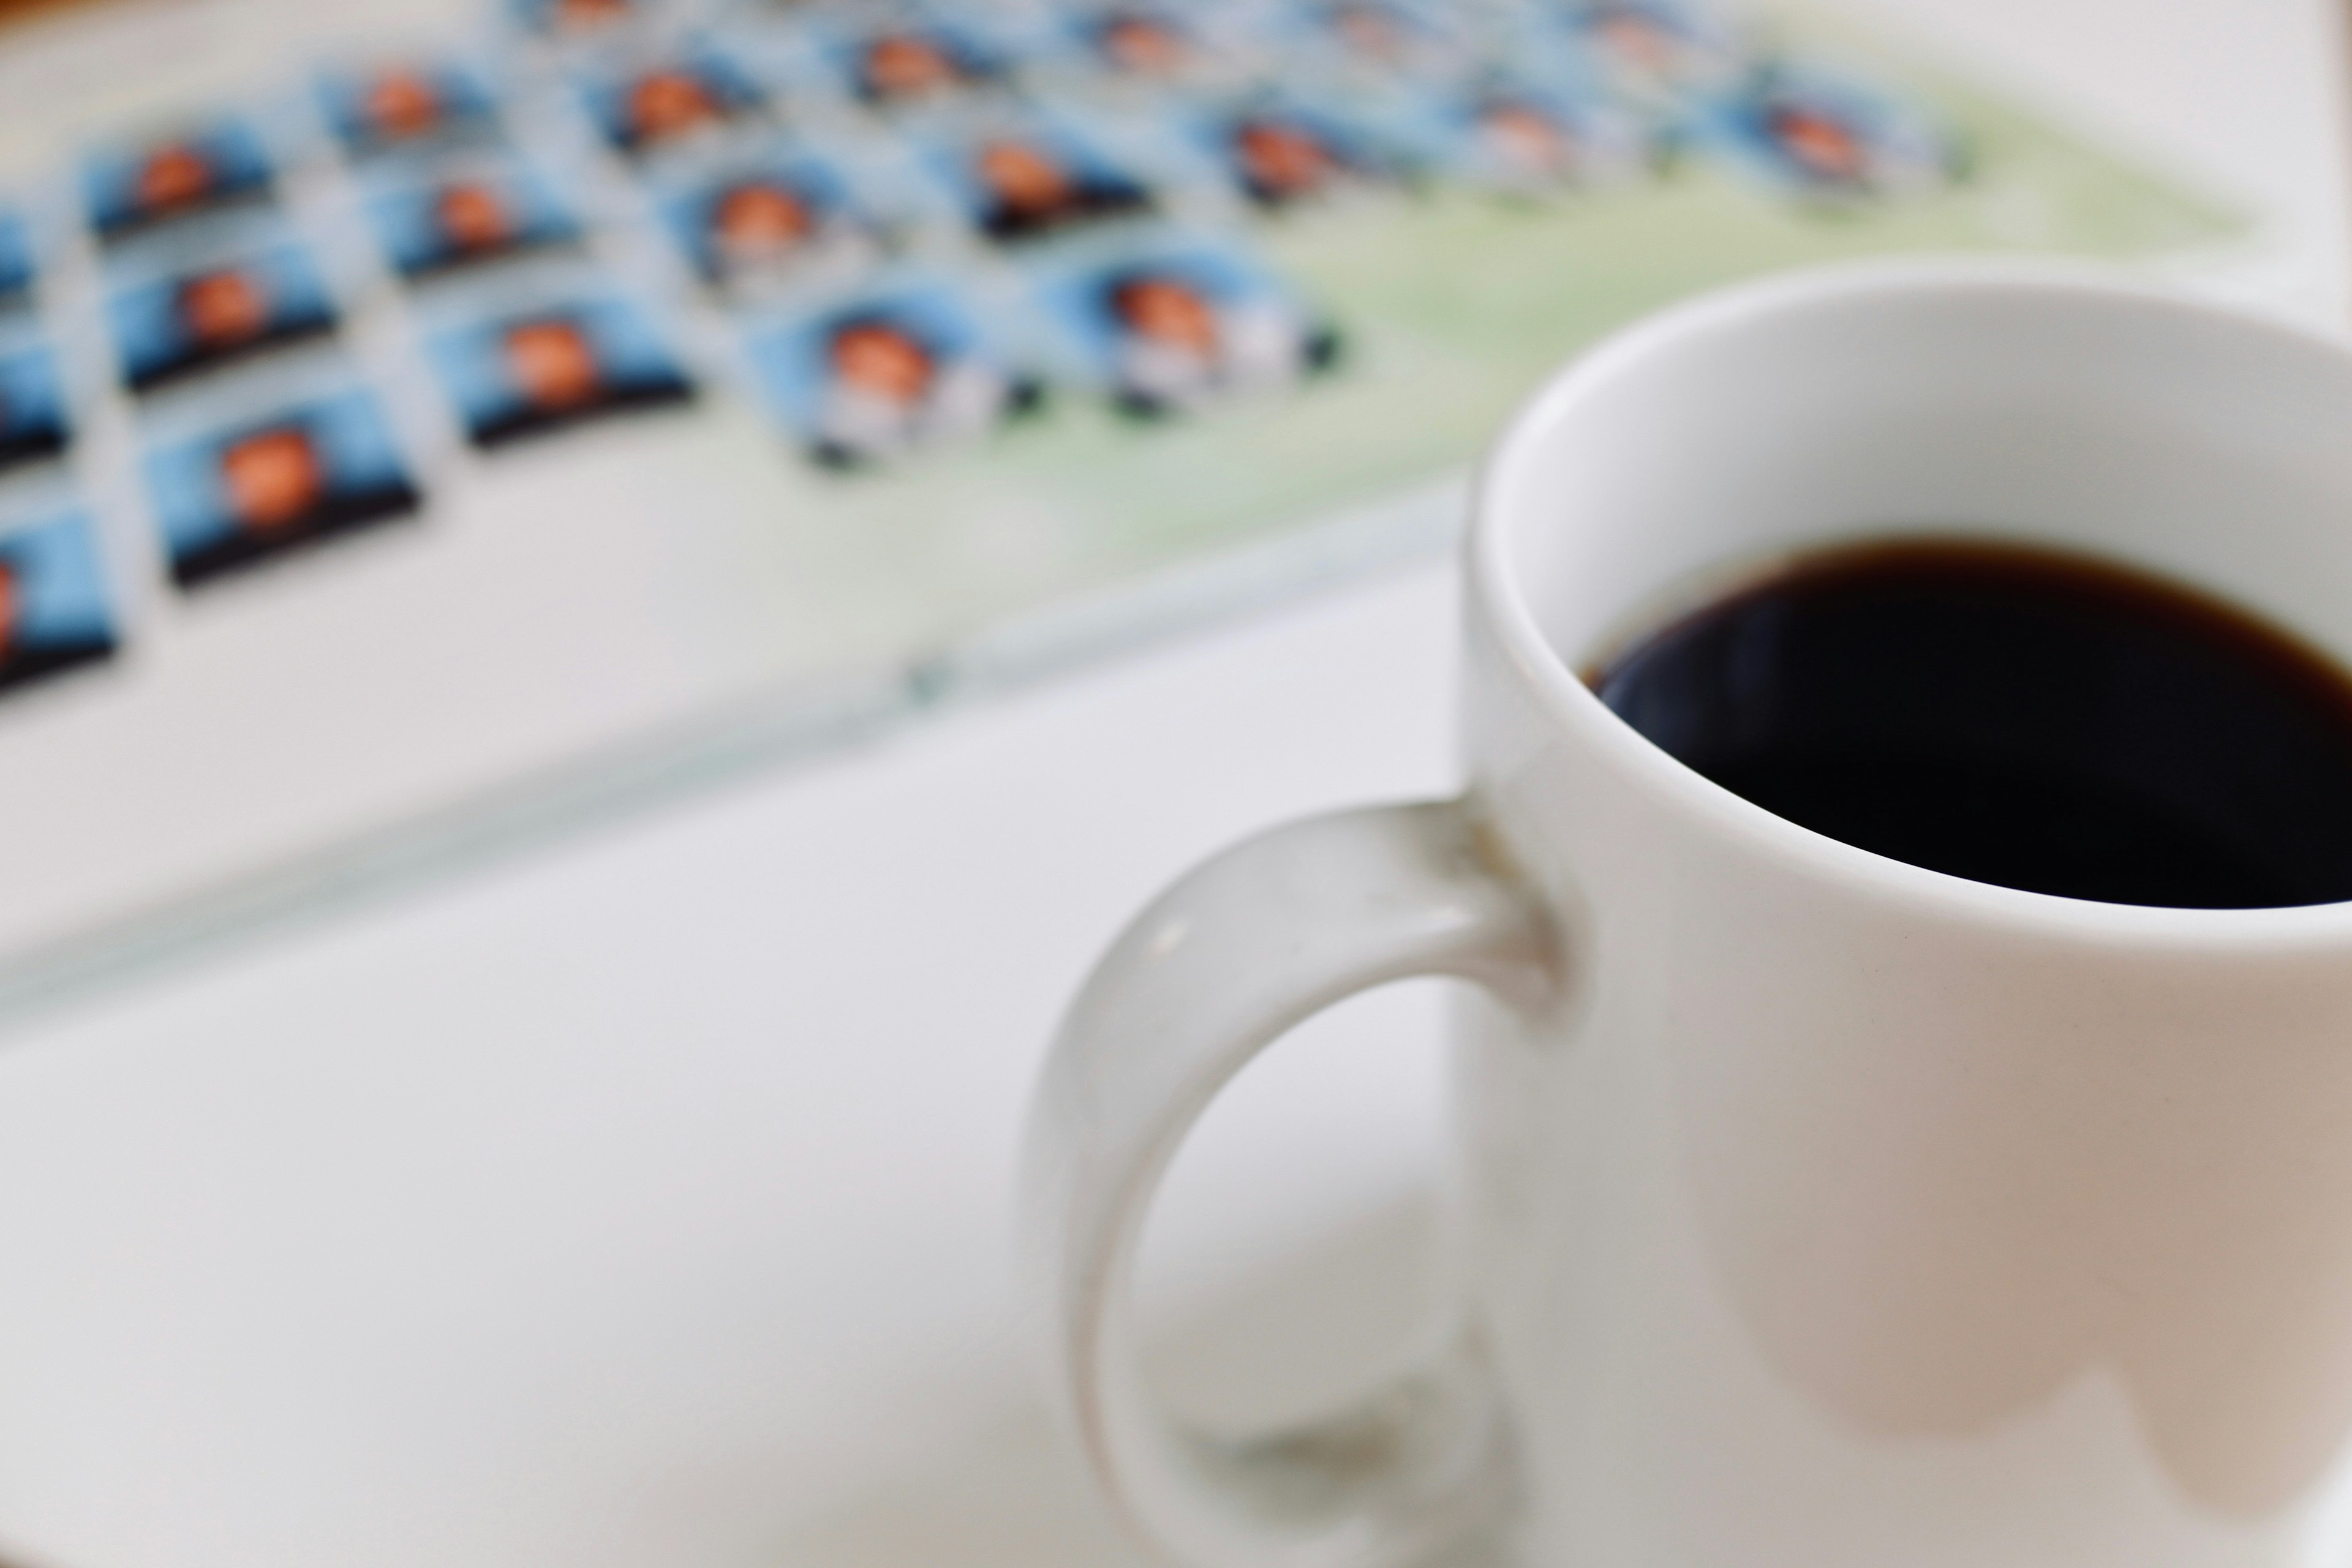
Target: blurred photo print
[(33, 421), (54, 606), (403, 104), (170, 329), (684, 98), (571, 21), (467, 216), (786, 221), (917, 63), (888, 377), (1375, 38), (1158, 47), (1034, 181), (131, 189), (1657, 47), (1814, 134), (541, 371), (263, 488), (1148, 43), (1521, 140), (16, 258), (1285, 157), (1181, 328)]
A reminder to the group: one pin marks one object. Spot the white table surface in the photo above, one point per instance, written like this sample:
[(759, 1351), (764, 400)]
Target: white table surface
[(645, 1200)]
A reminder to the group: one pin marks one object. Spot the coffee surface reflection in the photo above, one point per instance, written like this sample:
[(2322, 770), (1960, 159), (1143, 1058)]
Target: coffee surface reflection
[(2015, 716)]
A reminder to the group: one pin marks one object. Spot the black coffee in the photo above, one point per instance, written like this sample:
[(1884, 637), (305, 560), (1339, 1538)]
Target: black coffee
[(2019, 716)]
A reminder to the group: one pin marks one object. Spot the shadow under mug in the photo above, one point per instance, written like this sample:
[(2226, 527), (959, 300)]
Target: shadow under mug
[(1821, 1211)]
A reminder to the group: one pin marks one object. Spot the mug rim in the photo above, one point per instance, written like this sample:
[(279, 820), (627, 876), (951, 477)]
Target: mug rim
[(1496, 603)]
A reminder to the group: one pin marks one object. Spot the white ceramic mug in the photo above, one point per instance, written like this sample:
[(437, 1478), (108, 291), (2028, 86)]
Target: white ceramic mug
[(1824, 1212)]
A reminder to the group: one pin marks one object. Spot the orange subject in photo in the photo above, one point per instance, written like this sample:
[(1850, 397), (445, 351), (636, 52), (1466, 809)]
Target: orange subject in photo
[(908, 65), (1526, 136), (1822, 146), (586, 16), (400, 103), (1028, 183), (470, 216), (760, 221), (221, 309), (1283, 161), (664, 104), (273, 477), (1168, 311), (1370, 31), (12, 595), (173, 176), (552, 363), (883, 361), (1641, 40), (1143, 44)]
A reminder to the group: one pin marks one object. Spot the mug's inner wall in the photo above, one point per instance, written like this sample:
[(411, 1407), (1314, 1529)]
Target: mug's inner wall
[(2180, 438)]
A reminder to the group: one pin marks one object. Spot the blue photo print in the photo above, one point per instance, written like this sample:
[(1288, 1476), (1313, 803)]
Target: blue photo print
[(1379, 35), (537, 372), (463, 217), (886, 376), (318, 471), (170, 329), (1183, 326), (1656, 46), (1155, 44), (404, 103), (1283, 156), (575, 20), (16, 258), (55, 613), (128, 189), (1008, 33), (1517, 137), (32, 422), (918, 62), (1824, 137), (1036, 180), (787, 220), (683, 98)]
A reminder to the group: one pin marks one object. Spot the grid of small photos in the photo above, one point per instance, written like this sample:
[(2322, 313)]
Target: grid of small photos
[(907, 226)]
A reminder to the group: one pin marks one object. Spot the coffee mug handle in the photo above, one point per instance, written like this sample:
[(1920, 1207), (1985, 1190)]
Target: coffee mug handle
[(1225, 963)]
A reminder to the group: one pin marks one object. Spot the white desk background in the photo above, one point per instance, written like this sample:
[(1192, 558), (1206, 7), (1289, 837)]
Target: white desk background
[(645, 1201)]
